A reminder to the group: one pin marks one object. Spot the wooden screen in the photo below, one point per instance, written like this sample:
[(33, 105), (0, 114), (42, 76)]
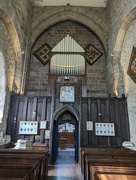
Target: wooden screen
[(97, 110)]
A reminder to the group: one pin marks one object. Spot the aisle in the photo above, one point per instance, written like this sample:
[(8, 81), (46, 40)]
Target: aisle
[(65, 168)]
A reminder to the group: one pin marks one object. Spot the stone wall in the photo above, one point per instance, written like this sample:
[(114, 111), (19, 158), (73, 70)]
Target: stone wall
[(20, 13), (122, 25), (7, 69), (15, 24), (130, 85), (117, 11), (93, 18), (118, 23), (96, 74)]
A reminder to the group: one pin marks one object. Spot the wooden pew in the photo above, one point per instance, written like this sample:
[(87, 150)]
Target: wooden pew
[(22, 171), (107, 160), (113, 170), (36, 161), (100, 154), (110, 151)]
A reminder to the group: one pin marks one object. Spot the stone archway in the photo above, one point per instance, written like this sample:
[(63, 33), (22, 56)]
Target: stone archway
[(3, 86), (15, 44), (54, 15), (118, 83), (121, 57), (10, 58)]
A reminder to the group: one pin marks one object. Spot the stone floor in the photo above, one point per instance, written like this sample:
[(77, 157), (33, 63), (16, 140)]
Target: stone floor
[(65, 168)]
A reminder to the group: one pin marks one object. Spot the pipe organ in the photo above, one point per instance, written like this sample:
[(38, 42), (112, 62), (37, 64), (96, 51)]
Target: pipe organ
[(67, 59)]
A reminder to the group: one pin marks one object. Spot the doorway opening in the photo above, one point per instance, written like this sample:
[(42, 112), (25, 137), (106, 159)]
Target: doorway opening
[(66, 138), (65, 135)]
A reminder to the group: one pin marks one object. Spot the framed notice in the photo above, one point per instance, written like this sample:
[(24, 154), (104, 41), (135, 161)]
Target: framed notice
[(28, 127), (43, 124), (89, 125), (67, 93), (104, 129), (47, 134)]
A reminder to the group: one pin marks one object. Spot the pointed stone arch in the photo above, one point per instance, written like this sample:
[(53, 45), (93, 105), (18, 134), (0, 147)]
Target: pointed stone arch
[(118, 82), (122, 31), (11, 63), (81, 15), (16, 49), (3, 85)]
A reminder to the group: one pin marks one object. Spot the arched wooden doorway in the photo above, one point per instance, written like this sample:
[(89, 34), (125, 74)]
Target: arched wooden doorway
[(70, 116)]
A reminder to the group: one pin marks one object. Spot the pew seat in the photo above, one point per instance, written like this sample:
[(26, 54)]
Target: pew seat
[(27, 164), (97, 171), (105, 157)]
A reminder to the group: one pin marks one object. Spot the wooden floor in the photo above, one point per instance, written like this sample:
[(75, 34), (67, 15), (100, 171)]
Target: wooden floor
[(65, 168)]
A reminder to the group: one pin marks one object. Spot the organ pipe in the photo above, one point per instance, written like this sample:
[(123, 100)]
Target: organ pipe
[(67, 63)]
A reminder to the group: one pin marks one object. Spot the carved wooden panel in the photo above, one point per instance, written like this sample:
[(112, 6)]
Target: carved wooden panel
[(27, 109), (104, 111), (112, 110)]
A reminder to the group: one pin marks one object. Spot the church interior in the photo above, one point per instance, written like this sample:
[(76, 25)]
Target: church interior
[(68, 89)]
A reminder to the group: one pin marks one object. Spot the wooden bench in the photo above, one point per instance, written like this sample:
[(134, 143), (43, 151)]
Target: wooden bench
[(107, 160), (36, 163), (24, 171), (112, 170), (105, 155), (110, 151)]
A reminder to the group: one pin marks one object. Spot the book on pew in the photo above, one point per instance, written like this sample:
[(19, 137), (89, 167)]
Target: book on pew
[(23, 144)]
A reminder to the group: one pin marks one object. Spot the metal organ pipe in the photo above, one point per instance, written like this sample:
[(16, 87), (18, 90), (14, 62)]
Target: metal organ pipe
[(67, 63)]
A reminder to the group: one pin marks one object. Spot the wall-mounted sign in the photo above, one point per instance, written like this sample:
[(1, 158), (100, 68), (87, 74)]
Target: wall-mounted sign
[(104, 129), (28, 127), (47, 134), (43, 124), (89, 125)]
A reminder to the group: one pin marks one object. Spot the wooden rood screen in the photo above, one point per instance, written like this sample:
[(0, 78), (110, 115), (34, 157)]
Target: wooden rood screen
[(104, 112), (101, 111)]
